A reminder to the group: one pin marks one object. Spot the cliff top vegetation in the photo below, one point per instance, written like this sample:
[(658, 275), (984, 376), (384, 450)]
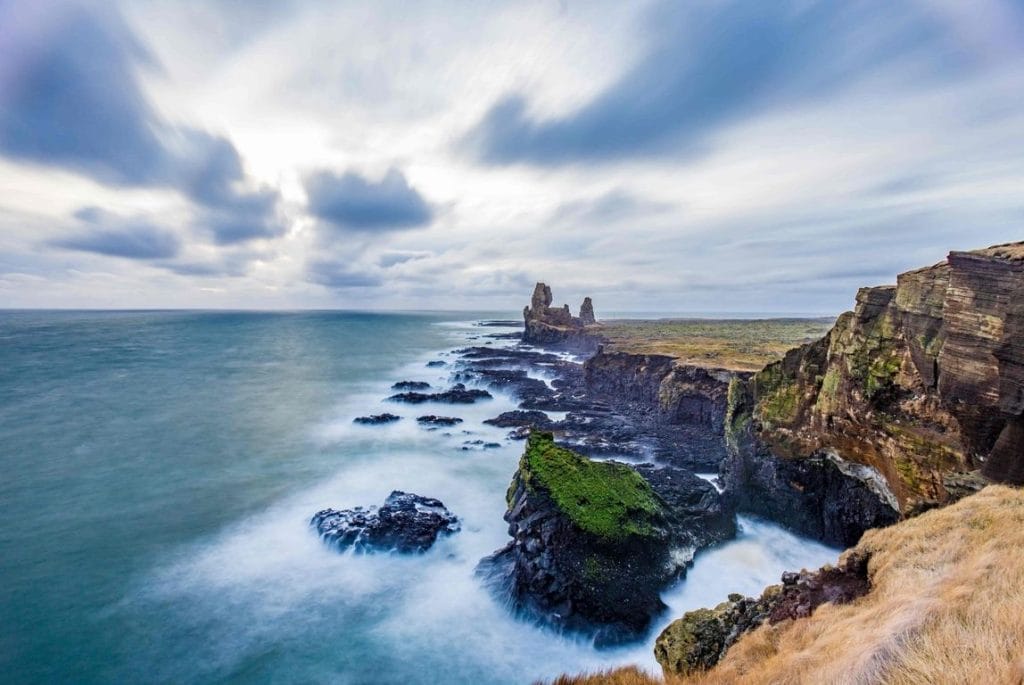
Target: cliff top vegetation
[(733, 344)]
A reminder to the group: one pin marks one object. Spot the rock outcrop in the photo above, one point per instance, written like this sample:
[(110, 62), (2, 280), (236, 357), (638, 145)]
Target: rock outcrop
[(701, 637), (376, 419), (905, 400), (457, 394), (683, 405), (556, 326), (404, 523), (594, 543)]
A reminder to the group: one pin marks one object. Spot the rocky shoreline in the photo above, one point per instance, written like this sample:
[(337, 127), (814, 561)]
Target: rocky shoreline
[(875, 422)]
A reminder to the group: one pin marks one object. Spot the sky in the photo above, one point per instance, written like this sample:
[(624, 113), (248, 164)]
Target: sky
[(671, 156)]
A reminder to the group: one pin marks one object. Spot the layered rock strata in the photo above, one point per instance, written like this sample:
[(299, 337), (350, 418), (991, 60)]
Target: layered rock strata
[(910, 394)]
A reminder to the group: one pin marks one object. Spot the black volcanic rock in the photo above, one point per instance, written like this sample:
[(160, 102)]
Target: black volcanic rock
[(519, 417), (435, 364), (376, 419), (405, 523), (594, 543), (457, 394), (431, 420), (411, 385)]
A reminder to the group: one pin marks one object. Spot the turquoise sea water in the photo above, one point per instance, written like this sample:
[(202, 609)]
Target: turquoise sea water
[(158, 473)]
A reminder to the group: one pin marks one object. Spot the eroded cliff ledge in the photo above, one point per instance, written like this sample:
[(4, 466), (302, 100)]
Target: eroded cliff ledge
[(921, 385)]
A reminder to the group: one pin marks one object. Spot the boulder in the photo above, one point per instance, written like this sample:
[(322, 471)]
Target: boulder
[(405, 523), (376, 419), (432, 420), (410, 385)]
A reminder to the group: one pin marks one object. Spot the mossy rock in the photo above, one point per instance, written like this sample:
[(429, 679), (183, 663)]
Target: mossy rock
[(692, 643), (608, 500)]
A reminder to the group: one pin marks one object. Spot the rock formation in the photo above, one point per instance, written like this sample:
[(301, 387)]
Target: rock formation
[(594, 543), (457, 394), (405, 523), (701, 637), (907, 397), (547, 325)]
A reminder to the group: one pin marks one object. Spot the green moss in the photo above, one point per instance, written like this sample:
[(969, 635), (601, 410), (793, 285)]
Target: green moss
[(828, 396), (881, 373), (781, 406), (610, 501), (592, 569), (737, 415)]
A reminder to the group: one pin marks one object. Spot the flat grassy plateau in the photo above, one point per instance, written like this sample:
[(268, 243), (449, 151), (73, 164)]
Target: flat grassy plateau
[(734, 344)]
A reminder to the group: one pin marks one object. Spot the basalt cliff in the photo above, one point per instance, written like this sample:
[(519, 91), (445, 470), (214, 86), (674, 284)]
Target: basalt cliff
[(915, 398)]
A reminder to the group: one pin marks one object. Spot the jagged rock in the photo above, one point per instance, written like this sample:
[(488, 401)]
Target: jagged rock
[(515, 381), (432, 420), (681, 407), (436, 364), (411, 385), (587, 312), (376, 419), (593, 542), (405, 523), (479, 444), (519, 417), (457, 394), (698, 640), (922, 380), (556, 326)]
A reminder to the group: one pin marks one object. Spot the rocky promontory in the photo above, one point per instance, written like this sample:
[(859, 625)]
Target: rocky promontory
[(594, 543)]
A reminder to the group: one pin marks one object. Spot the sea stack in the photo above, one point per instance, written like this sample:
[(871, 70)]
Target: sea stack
[(556, 326)]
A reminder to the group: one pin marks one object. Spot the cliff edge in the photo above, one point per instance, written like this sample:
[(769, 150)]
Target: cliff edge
[(919, 391)]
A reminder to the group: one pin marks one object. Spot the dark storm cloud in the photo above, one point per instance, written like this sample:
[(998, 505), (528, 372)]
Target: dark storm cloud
[(70, 98), (109, 235), (353, 202), (710, 64)]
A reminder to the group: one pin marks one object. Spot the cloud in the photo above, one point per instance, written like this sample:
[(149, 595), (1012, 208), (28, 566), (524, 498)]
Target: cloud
[(612, 206), (70, 98), (393, 258), (113, 236), (336, 275), (352, 202), (711, 64)]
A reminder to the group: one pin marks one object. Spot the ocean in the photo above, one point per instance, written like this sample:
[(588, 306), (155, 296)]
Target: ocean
[(159, 470)]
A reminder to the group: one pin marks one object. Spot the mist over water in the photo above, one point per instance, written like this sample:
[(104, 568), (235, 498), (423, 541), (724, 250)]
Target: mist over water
[(161, 472)]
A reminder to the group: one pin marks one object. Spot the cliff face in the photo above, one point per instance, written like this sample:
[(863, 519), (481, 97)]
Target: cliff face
[(556, 326), (922, 384), (678, 401)]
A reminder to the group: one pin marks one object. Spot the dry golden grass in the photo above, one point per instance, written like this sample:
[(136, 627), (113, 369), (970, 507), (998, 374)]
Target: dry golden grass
[(946, 606), (736, 344), (618, 676)]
